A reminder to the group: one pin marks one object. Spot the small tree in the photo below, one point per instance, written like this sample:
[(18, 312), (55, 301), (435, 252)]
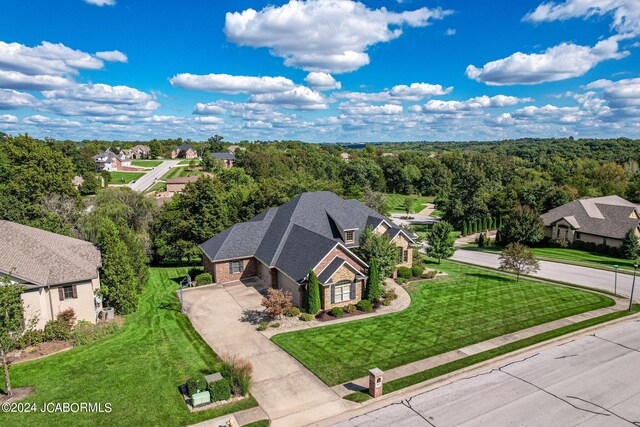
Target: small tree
[(481, 240), (494, 223), (465, 230), (373, 287), (440, 240), (518, 259), (408, 204), (277, 302), (12, 323), (313, 294), (629, 247)]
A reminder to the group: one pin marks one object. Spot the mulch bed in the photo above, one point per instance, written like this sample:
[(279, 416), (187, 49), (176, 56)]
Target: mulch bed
[(19, 393), (324, 316), (38, 351)]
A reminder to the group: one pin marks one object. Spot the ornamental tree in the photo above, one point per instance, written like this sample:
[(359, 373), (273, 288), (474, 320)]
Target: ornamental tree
[(518, 259)]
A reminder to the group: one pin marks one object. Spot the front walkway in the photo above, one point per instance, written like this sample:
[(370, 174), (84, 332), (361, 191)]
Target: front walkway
[(441, 359), (288, 392)]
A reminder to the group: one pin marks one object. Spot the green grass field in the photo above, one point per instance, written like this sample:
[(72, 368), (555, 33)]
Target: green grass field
[(124, 177), (178, 171), (421, 230), (158, 186), (188, 162), (467, 307), (146, 163), (137, 370), (395, 202)]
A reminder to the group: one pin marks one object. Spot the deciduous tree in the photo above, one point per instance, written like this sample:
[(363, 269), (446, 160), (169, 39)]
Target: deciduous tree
[(523, 225), (440, 241), (519, 259), (379, 248)]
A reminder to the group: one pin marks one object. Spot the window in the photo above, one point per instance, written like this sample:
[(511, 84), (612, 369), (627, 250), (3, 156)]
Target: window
[(577, 235), (348, 236), (236, 267), (342, 291), (406, 256), (400, 254), (67, 292)]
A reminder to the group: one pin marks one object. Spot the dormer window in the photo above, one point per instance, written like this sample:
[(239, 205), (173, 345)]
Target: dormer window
[(348, 236)]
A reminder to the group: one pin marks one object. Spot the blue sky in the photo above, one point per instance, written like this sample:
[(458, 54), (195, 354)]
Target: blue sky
[(321, 71)]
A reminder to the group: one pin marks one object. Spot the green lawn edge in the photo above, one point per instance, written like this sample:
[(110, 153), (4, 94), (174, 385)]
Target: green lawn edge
[(404, 382), (259, 423)]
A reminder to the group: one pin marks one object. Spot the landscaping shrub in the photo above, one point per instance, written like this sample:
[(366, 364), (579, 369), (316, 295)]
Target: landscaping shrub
[(30, 338), (277, 302), (404, 272), (350, 308), (220, 390), (401, 280), (602, 249), (336, 312), (589, 246), (578, 244), (416, 271), (430, 274), (275, 325), (387, 301), (87, 332), (196, 384), (561, 243), (237, 370), (57, 330), (390, 294), (68, 316), (292, 312), (614, 252), (263, 326), (204, 279), (306, 317), (364, 305)]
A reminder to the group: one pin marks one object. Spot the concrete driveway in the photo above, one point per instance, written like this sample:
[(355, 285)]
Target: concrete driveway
[(288, 392), (593, 381), (585, 276), (148, 179)]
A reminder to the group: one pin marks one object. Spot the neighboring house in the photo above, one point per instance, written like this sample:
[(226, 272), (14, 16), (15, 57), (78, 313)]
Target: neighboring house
[(78, 181), (189, 152), (600, 220), (314, 231), (228, 160), (177, 185), (58, 272), (138, 152), (233, 148), (109, 161)]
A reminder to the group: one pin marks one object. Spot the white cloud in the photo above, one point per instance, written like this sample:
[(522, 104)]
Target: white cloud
[(43, 121), (209, 120), (112, 56), (8, 119), (209, 109), (298, 98), (623, 93), (450, 32), (322, 81), (258, 124), (477, 103), (362, 109), (18, 80), (560, 62), (413, 92), (323, 35), (101, 2), (47, 58), (626, 13), (12, 99), (225, 83)]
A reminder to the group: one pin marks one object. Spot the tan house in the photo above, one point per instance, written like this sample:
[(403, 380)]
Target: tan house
[(138, 152), (185, 151), (599, 220), (177, 185), (58, 272), (314, 231)]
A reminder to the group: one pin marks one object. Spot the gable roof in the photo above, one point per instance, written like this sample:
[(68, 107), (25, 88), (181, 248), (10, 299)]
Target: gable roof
[(184, 147), (297, 235), (187, 179), (223, 156), (42, 258), (609, 216), (328, 272)]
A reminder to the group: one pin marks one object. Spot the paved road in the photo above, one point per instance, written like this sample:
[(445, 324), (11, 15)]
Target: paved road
[(600, 279), (148, 179), (593, 381)]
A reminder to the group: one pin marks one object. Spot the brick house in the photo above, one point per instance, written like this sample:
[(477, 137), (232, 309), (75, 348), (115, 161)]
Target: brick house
[(600, 220), (314, 231), (227, 160), (109, 161), (58, 272), (189, 152)]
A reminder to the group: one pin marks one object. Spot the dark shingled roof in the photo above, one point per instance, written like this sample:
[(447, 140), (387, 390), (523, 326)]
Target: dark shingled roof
[(223, 156), (608, 216), (42, 258), (331, 269), (295, 236)]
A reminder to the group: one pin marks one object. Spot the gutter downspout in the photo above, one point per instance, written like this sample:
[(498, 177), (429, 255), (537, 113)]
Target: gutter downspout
[(50, 302)]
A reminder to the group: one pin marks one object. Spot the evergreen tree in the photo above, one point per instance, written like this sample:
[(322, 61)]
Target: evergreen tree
[(494, 223), (373, 288), (118, 281), (629, 247), (464, 229), (485, 224), (379, 248), (313, 294)]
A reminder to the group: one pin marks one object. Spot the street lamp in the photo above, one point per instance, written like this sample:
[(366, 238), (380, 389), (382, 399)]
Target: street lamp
[(615, 281), (633, 284)]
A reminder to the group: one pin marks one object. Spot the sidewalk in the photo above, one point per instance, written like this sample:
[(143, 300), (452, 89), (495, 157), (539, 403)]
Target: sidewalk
[(441, 359)]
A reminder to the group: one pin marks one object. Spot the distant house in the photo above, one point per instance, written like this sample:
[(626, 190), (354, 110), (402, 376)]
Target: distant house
[(138, 152), (389, 154), (233, 148), (185, 150), (109, 161), (227, 160), (177, 185), (314, 231), (344, 156), (58, 272), (600, 220)]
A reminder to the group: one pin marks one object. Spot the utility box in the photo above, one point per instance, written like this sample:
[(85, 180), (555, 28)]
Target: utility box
[(375, 382), (108, 314), (200, 399)]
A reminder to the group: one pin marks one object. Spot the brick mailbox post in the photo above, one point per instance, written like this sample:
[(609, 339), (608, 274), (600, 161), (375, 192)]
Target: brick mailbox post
[(375, 382)]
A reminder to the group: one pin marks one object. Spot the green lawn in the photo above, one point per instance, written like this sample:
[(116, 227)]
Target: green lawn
[(467, 307), (158, 186), (178, 171), (421, 230), (395, 202), (138, 370), (146, 163), (187, 162), (124, 177)]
